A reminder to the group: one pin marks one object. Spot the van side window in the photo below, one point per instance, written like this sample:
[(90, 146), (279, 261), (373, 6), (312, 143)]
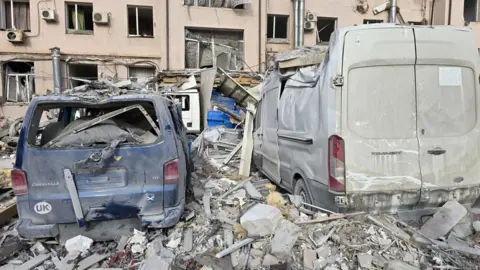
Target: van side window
[(282, 86), (258, 116)]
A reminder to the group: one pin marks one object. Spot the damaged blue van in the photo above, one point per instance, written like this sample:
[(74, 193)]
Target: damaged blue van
[(81, 161)]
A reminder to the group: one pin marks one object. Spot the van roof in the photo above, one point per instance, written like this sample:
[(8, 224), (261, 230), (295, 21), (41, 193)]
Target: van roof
[(343, 30), (65, 98)]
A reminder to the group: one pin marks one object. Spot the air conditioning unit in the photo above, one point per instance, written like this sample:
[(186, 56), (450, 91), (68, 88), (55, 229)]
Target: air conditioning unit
[(309, 25), (48, 14), (310, 17), (100, 17), (15, 36)]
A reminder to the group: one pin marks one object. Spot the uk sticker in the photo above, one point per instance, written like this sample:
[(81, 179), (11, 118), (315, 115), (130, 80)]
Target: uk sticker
[(42, 208)]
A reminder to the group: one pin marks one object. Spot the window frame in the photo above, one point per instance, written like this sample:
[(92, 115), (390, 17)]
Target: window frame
[(4, 14), (275, 39), (335, 27), (137, 28), (77, 31)]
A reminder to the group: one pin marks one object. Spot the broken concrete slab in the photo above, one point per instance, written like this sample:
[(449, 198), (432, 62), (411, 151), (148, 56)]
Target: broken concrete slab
[(309, 257), (154, 248), (78, 243), (252, 191), (255, 263), (34, 262), (444, 220), (476, 226), (91, 260), (365, 260), (399, 265), (260, 220), (286, 235), (122, 243), (188, 240), (269, 260)]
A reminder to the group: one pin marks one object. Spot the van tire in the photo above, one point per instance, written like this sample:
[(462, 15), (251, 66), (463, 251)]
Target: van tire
[(301, 190)]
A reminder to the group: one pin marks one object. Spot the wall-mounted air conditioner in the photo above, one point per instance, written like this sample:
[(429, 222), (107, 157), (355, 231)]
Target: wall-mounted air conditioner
[(100, 17), (310, 17), (48, 14), (309, 25), (15, 36)]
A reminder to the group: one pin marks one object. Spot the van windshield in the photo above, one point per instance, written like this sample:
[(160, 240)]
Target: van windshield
[(70, 125)]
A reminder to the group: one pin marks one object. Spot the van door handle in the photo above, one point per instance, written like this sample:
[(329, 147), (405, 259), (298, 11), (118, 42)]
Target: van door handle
[(437, 151)]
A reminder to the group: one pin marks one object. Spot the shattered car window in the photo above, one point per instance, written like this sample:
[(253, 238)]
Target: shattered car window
[(80, 126)]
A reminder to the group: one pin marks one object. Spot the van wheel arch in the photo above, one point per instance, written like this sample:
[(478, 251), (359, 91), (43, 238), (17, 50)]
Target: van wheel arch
[(299, 184)]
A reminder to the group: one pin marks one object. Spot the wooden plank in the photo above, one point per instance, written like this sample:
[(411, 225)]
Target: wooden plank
[(31, 264)]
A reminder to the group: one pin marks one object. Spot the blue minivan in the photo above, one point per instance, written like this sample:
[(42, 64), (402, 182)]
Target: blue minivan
[(116, 158)]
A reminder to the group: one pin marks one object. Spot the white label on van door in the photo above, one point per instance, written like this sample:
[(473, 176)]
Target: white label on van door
[(42, 208), (449, 76)]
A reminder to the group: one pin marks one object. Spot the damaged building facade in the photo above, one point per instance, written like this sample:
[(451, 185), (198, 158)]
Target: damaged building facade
[(124, 39)]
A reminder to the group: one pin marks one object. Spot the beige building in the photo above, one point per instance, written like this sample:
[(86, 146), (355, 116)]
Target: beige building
[(125, 38)]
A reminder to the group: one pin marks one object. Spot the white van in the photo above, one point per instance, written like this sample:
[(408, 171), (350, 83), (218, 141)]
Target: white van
[(389, 121)]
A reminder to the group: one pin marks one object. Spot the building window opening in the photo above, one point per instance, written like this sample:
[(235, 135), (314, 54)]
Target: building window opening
[(15, 14), (325, 27), (372, 21), (140, 21), (277, 27), (80, 74), (143, 74), (19, 81), (79, 18), (470, 10)]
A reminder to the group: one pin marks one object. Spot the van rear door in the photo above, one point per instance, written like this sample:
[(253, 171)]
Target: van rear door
[(379, 119), (448, 118)]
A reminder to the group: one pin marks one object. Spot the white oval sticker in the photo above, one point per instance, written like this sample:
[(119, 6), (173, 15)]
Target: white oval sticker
[(42, 208)]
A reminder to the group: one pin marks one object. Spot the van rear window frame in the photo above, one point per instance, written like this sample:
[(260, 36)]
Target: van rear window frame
[(35, 120)]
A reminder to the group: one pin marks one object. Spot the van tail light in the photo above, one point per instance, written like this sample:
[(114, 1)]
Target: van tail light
[(19, 182), (170, 172), (336, 164)]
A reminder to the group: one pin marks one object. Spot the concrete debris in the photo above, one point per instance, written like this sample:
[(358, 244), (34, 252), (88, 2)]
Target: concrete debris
[(444, 220), (78, 243), (31, 264), (309, 257), (261, 220), (286, 235), (365, 260), (476, 226), (90, 261), (270, 260)]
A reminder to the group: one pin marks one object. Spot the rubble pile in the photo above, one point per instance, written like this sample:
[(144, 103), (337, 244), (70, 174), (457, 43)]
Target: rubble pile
[(249, 224), (9, 134)]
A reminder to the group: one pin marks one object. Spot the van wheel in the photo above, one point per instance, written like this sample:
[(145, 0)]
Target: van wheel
[(301, 190)]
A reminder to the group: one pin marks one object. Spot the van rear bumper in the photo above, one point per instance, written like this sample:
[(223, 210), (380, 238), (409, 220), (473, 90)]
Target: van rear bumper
[(168, 218), (395, 201)]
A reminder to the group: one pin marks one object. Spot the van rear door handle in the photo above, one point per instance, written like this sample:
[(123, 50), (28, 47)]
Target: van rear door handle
[(437, 151)]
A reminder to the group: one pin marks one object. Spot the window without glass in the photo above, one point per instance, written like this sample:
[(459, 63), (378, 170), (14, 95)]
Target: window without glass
[(325, 27), (79, 18), (143, 73), (79, 74), (372, 21), (140, 21), (19, 81), (471, 10), (15, 14), (277, 27)]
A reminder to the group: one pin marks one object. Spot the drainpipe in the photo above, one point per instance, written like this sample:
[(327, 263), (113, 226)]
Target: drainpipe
[(56, 70), (296, 20), (168, 35), (260, 32), (301, 20), (393, 11)]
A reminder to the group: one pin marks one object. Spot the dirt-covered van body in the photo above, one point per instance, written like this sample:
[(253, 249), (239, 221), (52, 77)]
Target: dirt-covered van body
[(388, 121), (120, 158)]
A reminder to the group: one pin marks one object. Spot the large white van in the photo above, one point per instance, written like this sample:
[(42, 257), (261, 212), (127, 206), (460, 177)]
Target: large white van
[(388, 121)]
